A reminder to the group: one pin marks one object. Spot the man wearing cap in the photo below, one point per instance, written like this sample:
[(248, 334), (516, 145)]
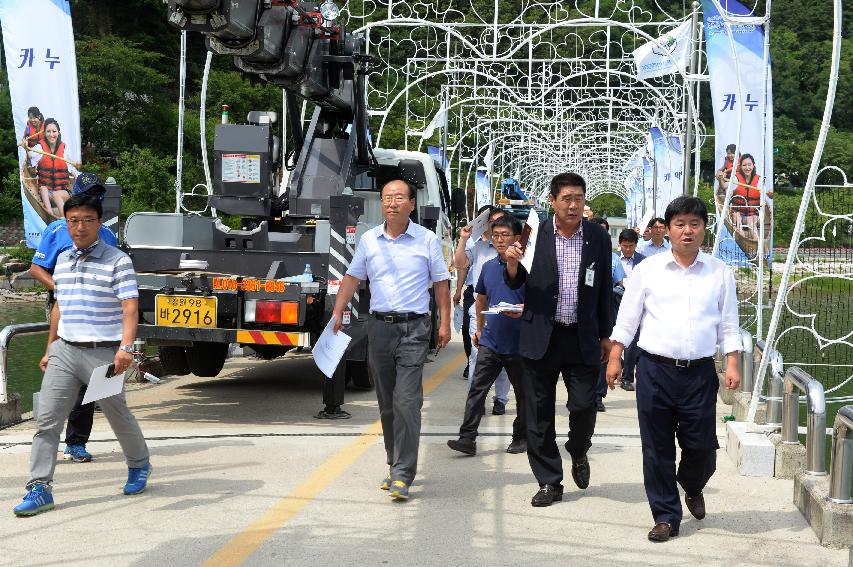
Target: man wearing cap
[(55, 240)]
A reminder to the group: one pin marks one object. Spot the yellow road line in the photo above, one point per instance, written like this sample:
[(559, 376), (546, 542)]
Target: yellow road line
[(244, 544)]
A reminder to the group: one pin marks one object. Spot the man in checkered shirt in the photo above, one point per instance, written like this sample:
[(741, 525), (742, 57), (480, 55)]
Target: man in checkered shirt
[(567, 319)]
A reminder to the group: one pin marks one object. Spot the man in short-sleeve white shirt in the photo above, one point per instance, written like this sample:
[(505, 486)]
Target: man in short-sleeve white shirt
[(401, 259)]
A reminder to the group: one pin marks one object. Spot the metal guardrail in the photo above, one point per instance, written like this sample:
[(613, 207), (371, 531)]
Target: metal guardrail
[(6, 336), (841, 473), (747, 363), (775, 382), (797, 380)]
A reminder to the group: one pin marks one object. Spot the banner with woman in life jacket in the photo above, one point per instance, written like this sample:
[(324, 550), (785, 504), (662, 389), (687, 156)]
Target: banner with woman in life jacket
[(739, 70), (42, 71)]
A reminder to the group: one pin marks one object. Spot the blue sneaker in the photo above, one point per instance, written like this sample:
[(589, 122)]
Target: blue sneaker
[(38, 499), (137, 479), (77, 453)]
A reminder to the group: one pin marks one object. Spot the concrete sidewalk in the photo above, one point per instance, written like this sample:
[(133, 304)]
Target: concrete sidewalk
[(232, 450)]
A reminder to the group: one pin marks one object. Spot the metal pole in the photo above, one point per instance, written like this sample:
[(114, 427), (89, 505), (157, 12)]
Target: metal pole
[(841, 474), (181, 90), (687, 144)]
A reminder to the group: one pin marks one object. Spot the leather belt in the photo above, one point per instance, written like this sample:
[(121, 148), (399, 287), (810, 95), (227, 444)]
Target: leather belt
[(681, 362), (397, 317), (93, 344)]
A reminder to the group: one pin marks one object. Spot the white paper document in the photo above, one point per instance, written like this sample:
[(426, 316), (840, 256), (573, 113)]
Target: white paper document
[(330, 349), (503, 307), (532, 230), (101, 387), (647, 218), (480, 225)]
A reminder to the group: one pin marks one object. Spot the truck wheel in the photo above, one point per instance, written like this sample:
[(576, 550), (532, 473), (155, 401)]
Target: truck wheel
[(358, 374), (173, 359), (207, 359)]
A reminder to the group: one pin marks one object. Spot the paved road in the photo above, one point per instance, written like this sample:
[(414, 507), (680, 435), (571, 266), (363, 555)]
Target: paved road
[(243, 473)]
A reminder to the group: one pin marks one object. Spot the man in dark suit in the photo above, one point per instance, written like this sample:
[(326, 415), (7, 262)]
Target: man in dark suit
[(565, 325), (629, 258)]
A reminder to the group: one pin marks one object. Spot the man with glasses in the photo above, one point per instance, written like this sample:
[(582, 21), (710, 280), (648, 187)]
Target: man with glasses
[(657, 243), (92, 324), (471, 255), (496, 337), (565, 329), (401, 259), (54, 240)]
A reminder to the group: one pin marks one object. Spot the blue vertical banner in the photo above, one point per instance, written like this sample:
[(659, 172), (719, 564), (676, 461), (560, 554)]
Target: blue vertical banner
[(668, 165), (741, 94), (41, 65), (482, 189)]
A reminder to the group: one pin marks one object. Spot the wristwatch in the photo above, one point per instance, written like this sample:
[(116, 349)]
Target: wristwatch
[(126, 348)]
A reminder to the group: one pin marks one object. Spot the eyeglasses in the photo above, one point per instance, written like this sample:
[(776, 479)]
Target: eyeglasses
[(499, 236), (388, 199), (84, 222), (572, 199)]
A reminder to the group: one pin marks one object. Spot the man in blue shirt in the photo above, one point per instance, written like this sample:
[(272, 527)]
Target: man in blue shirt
[(657, 244), (54, 240), (497, 340)]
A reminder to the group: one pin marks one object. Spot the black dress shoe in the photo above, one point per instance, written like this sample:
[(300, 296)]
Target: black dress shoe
[(547, 495), (580, 471), (662, 532), (627, 386), (498, 408), (466, 446), (696, 505), (465, 373), (517, 446), (599, 405)]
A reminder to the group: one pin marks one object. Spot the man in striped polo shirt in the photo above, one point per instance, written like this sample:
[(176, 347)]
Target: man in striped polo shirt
[(93, 323)]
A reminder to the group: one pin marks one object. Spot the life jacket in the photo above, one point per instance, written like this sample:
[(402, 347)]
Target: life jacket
[(746, 198), (727, 167), (53, 173), (37, 138)]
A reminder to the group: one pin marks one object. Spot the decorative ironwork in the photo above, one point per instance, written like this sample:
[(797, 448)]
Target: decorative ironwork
[(550, 86)]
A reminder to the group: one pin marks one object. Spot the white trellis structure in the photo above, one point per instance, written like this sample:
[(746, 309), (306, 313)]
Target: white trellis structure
[(549, 86)]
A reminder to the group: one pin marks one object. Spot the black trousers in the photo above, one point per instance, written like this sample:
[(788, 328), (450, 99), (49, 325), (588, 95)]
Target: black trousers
[(631, 356), (540, 386), (629, 363), (467, 302), (489, 365), (672, 403), (80, 421)]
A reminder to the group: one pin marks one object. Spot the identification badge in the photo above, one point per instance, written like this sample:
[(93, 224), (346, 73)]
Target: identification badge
[(347, 317), (590, 276)]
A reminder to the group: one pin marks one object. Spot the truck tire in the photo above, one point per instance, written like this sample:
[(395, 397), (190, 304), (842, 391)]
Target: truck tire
[(207, 359), (173, 359), (358, 374)]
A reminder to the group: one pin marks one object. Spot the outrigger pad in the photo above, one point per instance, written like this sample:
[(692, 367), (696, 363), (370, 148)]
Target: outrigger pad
[(333, 412)]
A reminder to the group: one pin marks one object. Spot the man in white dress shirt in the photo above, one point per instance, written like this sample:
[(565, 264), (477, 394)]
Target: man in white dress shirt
[(685, 302), (400, 258)]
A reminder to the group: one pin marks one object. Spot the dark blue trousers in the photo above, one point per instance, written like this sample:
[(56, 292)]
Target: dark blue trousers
[(672, 403)]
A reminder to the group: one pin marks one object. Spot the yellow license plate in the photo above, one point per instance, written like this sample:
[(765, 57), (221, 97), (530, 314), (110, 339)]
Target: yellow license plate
[(185, 311)]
